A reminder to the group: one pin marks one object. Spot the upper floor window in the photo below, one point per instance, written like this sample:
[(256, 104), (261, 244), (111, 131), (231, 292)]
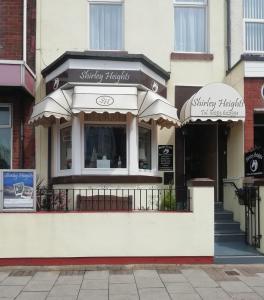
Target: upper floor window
[(190, 25), (5, 136), (254, 25), (106, 26)]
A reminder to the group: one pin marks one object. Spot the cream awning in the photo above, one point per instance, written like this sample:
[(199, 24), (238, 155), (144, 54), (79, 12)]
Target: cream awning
[(153, 106), (56, 105), (146, 105), (102, 99), (216, 101)]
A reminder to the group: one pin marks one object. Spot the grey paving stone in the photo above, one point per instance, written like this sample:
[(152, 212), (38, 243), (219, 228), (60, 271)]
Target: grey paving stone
[(32, 296), (65, 290), (199, 278), (62, 298), (123, 297), (252, 280), (185, 297), (212, 294), (94, 284), (246, 296), (3, 275), (235, 287), (93, 295), (259, 290), (179, 288), (96, 275), (123, 278), (172, 278), (73, 279), (16, 280), (49, 276), (123, 289), (153, 294), (146, 274), (10, 291), (39, 286), (148, 282)]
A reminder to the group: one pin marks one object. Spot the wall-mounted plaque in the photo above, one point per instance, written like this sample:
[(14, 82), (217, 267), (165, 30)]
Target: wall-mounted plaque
[(165, 157), (254, 163)]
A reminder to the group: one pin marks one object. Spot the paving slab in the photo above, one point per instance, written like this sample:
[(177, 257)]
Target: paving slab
[(94, 284), (96, 275), (124, 278), (148, 282), (146, 274), (9, 291), (179, 288), (154, 294), (199, 278), (123, 289), (3, 275), (259, 291), (65, 290), (39, 286), (62, 298), (16, 280), (73, 279), (49, 276), (252, 280), (235, 287), (93, 295), (213, 294), (246, 296), (185, 297), (32, 296), (172, 277), (123, 297)]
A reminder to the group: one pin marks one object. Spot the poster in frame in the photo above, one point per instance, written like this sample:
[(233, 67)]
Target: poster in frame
[(18, 190)]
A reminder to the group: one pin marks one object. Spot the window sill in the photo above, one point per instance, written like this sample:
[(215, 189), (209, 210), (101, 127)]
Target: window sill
[(117, 179), (192, 56)]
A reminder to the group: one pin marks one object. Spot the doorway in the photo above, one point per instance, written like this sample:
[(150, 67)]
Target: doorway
[(205, 149)]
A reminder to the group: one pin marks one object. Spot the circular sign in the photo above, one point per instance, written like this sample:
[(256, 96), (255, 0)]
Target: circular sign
[(104, 100), (262, 91)]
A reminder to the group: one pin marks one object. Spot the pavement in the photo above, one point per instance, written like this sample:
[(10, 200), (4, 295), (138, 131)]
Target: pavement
[(144, 282)]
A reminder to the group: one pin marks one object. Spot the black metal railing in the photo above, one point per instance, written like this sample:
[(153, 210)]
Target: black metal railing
[(112, 199)]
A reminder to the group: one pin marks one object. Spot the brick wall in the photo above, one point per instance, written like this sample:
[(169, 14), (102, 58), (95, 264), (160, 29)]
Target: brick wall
[(253, 100), (21, 108), (31, 33), (11, 29)]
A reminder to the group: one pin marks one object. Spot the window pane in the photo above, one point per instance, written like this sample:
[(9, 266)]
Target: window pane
[(144, 152), (190, 29), (5, 148), (105, 146), (4, 115), (106, 26), (65, 148), (254, 9), (255, 36), (190, 1)]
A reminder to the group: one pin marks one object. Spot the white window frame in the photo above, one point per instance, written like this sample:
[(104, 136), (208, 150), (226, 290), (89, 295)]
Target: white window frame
[(106, 2), (204, 5), (245, 21), (102, 171), (10, 125), (150, 127)]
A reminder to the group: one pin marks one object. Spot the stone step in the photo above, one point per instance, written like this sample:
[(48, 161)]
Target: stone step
[(245, 259), (227, 226), (229, 237), (223, 215)]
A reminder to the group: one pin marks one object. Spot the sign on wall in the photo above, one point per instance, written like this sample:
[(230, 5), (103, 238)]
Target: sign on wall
[(254, 163), (18, 190), (165, 157)]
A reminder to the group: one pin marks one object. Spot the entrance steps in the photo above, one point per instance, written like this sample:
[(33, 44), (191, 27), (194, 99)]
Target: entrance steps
[(230, 245)]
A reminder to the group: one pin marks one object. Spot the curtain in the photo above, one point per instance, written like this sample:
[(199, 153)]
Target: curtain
[(106, 28), (190, 29)]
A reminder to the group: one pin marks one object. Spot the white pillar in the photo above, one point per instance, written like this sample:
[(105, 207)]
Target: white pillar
[(55, 157), (76, 145), (154, 146), (132, 132)]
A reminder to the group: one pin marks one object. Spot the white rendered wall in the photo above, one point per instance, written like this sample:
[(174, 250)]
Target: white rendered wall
[(112, 234)]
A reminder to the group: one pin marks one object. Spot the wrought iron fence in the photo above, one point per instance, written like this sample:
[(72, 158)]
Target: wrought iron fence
[(112, 199)]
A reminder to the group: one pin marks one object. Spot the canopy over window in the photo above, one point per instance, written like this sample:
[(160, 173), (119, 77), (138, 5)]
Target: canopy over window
[(216, 101), (147, 105)]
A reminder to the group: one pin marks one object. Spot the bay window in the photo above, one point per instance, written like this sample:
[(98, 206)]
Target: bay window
[(254, 25), (190, 25), (106, 26), (65, 148), (5, 136)]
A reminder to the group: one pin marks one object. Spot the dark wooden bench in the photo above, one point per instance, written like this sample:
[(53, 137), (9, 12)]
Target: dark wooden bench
[(104, 203)]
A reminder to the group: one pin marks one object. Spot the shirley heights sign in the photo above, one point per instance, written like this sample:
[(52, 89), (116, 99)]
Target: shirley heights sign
[(254, 163)]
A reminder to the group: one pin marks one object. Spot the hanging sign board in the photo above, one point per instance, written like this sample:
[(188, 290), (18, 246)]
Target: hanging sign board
[(18, 190), (254, 163), (165, 157)]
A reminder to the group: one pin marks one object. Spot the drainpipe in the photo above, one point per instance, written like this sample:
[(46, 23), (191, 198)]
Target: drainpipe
[(25, 31), (228, 30), (49, 157), (22, 153)]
